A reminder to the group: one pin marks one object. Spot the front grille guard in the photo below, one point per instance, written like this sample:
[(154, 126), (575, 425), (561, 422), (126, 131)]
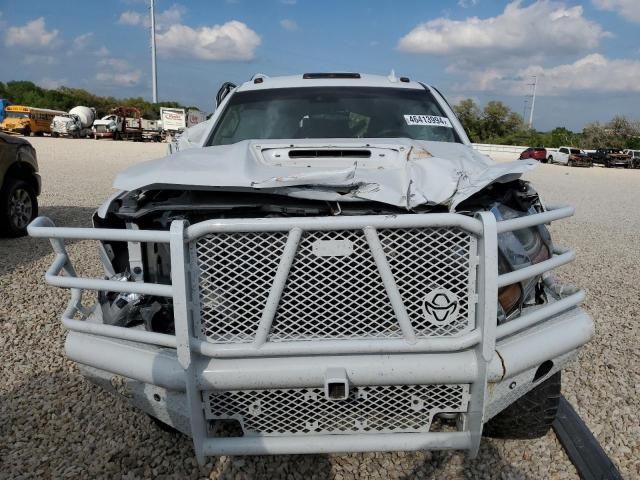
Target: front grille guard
[(191, 347)]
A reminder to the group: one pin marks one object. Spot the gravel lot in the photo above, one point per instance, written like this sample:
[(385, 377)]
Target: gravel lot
[(54, 424)]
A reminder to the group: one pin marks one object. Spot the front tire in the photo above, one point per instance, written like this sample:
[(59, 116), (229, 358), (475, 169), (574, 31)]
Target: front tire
[(18, 206), (530, 416), (550, 159)]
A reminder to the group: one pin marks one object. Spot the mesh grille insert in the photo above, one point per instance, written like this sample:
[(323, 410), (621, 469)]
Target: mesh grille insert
[(332, 294), (369, 409)]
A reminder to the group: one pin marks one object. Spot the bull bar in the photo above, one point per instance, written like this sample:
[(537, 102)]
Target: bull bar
[(186, 362)]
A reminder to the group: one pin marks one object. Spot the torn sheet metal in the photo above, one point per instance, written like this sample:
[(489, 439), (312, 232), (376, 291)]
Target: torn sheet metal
[(401, 172)]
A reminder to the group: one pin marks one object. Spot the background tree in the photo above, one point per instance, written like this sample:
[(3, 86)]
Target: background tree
[(469, 115), (64, 98)]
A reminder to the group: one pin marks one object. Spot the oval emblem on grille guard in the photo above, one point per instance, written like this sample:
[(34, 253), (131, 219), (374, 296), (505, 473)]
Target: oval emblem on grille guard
[(440, 306)]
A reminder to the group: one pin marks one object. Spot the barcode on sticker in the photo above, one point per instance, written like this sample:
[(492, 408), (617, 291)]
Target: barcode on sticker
[(429, 120)]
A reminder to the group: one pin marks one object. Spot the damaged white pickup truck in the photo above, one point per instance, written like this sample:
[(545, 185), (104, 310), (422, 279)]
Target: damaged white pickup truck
[(326, 265)]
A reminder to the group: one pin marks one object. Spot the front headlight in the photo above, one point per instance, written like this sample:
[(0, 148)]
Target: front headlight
[(516, 250)]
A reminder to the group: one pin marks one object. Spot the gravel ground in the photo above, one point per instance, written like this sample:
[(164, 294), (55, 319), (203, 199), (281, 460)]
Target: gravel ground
[(54, 424)]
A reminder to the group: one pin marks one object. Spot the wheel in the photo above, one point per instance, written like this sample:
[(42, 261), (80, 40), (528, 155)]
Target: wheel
[(55, 134), (530, 416), (571, 163), (27, 132), (18, 206), (607, 164), (550, 159)]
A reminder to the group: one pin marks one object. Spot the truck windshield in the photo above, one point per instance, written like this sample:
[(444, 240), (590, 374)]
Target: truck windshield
[(333, 112), (575, 151), (17, 114)]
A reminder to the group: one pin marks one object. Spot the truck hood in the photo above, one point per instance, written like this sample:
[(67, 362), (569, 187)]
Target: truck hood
[(401, 172)]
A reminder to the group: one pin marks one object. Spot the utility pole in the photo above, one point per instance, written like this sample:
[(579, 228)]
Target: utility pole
[(154, 74), (533, 100)]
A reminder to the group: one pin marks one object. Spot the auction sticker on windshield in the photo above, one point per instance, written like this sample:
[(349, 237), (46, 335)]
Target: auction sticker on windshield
[(429, 120)]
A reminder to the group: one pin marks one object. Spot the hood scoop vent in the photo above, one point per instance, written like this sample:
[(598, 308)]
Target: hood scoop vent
[(324, 153)]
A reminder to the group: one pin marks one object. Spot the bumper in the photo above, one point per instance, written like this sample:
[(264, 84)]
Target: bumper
[(14, 130), (340, 395), (152, 378)]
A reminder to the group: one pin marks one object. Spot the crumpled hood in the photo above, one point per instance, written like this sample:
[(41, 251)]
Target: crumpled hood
[(402, 172)]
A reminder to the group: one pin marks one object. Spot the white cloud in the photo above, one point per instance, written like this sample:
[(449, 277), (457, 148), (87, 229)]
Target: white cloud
[(81, 41), (164, 19), (118, 64), (544, 28), (33, 35), (591, 73), (233, 40), (288, 24), (52, 83), (38, 59), (119, 79), (629, 9), (288, 2), (170, 16), (102, 52), (117, 72), (131, 18), (467, 3)]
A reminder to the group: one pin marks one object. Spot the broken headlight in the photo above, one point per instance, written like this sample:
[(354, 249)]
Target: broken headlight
[(516, 250)]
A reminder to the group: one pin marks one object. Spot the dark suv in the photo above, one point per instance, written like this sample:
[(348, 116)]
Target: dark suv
[(20, 185), (611, 157)]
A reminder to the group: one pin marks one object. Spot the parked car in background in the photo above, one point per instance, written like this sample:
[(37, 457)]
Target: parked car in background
[(580, 159), (611, 157), (19, 185), (572, 157), (635, 157), (537, 153)]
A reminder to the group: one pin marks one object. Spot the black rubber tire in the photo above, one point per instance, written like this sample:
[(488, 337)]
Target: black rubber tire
[(530, 416), (7, 226), (550, 159), (26, 132)]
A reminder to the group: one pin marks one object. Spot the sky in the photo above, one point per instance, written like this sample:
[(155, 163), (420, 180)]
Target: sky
[(585, 55)]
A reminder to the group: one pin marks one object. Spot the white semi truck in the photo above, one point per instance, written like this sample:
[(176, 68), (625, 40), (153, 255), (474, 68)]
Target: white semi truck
[(76, 124), (123, 123)]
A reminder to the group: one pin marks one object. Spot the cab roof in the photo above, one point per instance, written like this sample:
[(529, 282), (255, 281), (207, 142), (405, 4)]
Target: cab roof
[(263, 82)]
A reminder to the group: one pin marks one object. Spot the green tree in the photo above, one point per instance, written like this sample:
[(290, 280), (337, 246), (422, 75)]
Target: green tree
[(65, 98), (469, 115)]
